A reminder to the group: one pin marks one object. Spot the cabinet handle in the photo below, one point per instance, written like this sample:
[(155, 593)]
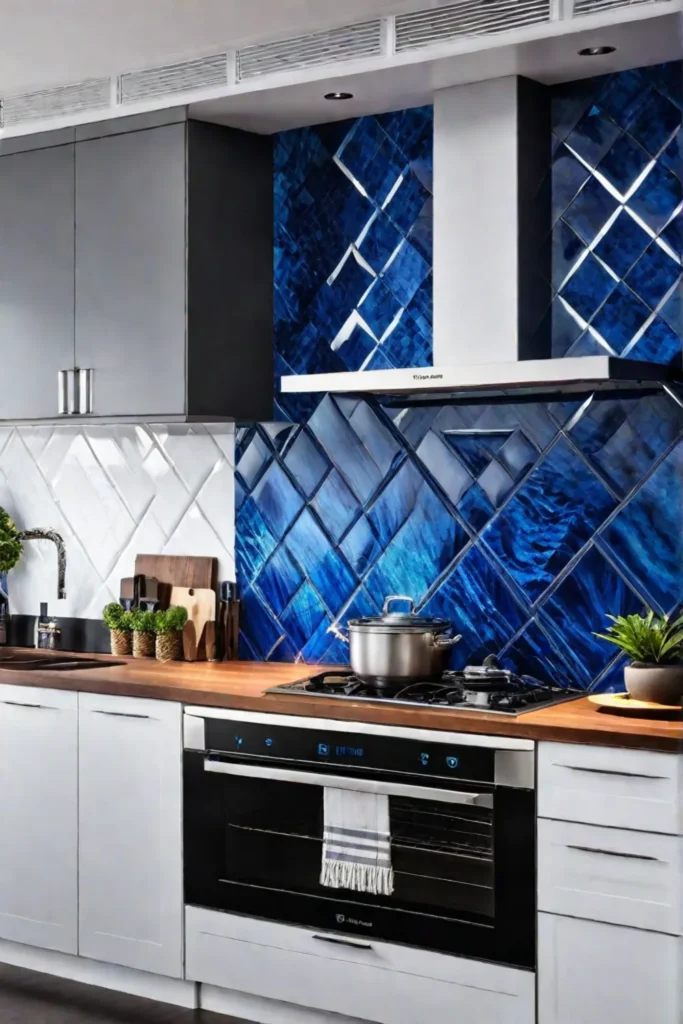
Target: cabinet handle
[(612, 853), (118, 714), (20, 704), (609, 771), (343, 942)]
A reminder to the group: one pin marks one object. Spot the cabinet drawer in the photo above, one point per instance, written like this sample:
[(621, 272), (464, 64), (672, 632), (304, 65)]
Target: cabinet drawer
[(373, 981), (610, 874), (632, 789)]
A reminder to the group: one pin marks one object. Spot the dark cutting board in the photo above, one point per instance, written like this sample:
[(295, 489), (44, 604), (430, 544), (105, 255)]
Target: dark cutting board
[(179, 570)]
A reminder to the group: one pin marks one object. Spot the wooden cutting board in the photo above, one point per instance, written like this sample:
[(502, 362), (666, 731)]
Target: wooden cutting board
[(179, 570), (199, 635)]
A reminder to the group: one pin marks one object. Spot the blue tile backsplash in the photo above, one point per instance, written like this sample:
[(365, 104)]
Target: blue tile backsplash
[(524, 523)]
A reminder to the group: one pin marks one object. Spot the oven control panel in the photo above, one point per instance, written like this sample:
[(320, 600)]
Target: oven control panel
[(329, 750)]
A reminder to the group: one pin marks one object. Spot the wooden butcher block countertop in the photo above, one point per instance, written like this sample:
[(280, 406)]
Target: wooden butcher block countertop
[(242, 685)]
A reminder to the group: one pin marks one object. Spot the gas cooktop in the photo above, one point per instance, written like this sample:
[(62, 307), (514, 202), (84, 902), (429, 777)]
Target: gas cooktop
[(494, 691)]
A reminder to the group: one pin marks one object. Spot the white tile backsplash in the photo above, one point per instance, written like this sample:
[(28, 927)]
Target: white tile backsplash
[(112, 492)]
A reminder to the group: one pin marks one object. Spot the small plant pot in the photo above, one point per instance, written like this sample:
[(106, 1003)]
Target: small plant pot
[(658, 684), (121, 642), (169, 646), (143, 645)]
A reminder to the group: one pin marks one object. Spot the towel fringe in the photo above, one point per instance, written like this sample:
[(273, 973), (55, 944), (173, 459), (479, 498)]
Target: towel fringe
[(337, 874)]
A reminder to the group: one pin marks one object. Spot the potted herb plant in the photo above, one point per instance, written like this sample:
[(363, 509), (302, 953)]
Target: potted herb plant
[(10, 553), (169, 627), (143, 624), (655, 646), (120, 626)]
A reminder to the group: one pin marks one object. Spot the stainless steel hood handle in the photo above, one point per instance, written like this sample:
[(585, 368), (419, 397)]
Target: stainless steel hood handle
[(270, 772)]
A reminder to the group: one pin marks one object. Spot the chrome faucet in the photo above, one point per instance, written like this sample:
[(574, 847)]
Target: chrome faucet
[(61, 555)]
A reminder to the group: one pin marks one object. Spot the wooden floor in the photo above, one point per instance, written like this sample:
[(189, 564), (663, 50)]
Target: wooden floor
[(30, 998)]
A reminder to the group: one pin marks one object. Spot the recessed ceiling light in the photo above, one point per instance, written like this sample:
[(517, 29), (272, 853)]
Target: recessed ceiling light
[(338, 95), (596, 51)]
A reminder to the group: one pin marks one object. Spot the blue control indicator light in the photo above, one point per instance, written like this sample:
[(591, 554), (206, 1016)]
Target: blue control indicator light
[(239, 740), (323, 749), (424, 760), (350, 752), (452, 762), (269, 742)]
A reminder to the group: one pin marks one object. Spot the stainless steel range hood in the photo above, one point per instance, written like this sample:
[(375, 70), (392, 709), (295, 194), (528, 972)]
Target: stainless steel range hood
[(492, 263)]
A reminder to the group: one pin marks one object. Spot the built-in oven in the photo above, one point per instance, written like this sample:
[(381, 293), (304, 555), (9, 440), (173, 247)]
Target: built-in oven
[(462, 822)]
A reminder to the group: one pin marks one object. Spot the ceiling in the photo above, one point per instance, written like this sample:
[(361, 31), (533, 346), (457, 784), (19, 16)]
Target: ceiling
[(49, 42)]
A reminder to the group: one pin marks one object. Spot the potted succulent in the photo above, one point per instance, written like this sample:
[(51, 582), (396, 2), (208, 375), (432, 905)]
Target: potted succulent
[(143, 623), (655, 646), (120, 626), (169, 627)]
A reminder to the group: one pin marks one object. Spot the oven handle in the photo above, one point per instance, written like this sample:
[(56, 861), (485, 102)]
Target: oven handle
[(446, 796)]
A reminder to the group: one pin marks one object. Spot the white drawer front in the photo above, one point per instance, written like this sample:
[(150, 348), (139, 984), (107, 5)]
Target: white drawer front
[(609, 874), (378, 982), (634, 789)]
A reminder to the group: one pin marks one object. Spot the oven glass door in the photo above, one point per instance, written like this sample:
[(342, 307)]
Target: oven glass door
[(254, 845)]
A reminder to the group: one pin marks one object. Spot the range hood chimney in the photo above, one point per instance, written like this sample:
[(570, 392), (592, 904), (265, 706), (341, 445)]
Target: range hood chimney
[(492, 262)]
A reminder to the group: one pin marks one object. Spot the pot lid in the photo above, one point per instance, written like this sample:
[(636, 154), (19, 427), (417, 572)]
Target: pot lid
[(401, 621)]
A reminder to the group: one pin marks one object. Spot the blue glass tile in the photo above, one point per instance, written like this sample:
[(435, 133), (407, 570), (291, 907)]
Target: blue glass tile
[(653, 275), (673, 235), (407, 203), (254, 460), (258, 626), (421, 307), (344, 448), (475, 508), (657, 198), (569, 102), (316, 647), (646, 536), (590, 211), (476, 448), (278, 581), (624, 163), (518, 454), (557, 509), (567, 247), (496, 483), (379, 361), (379, 308), (656, 123), (355, 349), (414, 422), (620, 318), (281, 435), (303, 615), (612, 680), (659, 344), (444, 465), (565, 329), (532, 653), (588, 344), (587, 289), (621, 246), (396, 501), (422, 230), (672, 157), (375, 435), (240, 495), (277, 499), (580, 606), (623, 96), (480, 605), (336, 505), (593, 136), (405, 273), (600, 421), (361, 547), (536, 422), (421, 550), (351, 283), (313, 551), (406, 346), (331, 135), (381, 241), (412, 132), (254, 543), (372, 158), (568, 175), (672, 311)]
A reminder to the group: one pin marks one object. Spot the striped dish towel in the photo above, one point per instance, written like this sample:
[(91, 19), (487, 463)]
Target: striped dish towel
[(357, 842)]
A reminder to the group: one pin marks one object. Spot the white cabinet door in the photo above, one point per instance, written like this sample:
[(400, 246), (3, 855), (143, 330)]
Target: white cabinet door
[(38, 817), (130, 835), (590, 973)]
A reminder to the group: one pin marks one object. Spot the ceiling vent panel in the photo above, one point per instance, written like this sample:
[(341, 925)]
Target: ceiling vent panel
[(583, 7), (467, 18), (339, 44), (62, 101), (168, 79)]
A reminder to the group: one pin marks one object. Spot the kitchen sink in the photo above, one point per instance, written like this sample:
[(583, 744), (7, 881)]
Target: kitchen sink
[(28, 662)]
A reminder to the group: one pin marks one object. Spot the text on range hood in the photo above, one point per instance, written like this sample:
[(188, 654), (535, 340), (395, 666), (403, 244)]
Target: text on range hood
[(492, 262)]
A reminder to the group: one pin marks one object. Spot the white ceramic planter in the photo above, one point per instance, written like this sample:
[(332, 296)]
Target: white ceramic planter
[(659, 684)]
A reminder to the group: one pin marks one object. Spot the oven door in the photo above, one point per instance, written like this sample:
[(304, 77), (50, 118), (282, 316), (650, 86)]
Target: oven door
[(463, 857)]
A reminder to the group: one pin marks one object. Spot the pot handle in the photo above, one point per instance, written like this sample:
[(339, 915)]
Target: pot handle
[(444, 642), (388, 601)]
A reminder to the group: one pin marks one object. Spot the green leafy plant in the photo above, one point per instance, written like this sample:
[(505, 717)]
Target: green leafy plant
[(10, 542), (171, 621), (112, 614), (142, 621), (651, 639)]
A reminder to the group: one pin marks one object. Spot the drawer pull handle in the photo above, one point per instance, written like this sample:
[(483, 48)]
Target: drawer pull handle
[(20, 704), (117, 714), (607, 771), (612, 853), (343, 942)]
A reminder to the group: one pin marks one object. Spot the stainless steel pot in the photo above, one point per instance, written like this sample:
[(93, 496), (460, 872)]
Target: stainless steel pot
[(398, 648)]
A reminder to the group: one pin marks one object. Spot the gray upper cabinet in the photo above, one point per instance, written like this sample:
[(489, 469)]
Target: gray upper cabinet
[(130, 270), (36, 278)]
